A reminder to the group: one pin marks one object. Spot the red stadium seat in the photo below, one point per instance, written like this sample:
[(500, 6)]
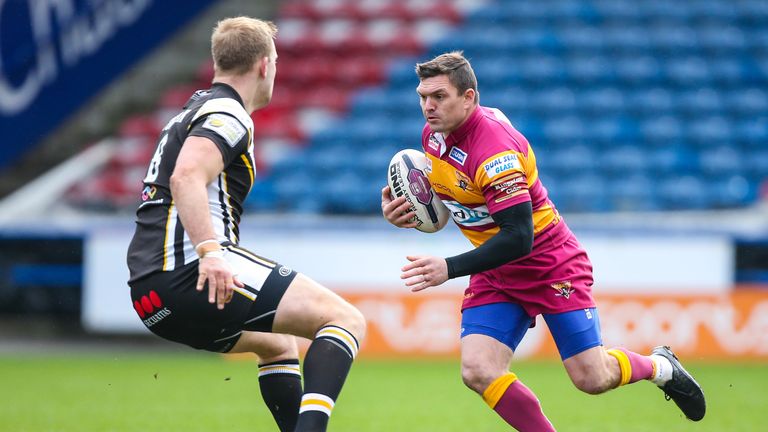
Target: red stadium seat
[(175, 97), (140, 125)]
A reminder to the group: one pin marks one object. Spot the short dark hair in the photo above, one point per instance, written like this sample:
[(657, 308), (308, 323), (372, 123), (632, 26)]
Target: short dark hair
[(455, 66)]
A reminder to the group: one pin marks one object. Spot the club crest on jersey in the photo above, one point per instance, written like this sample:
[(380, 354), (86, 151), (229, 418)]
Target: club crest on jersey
[(458, 155), (564, 289), (463, 182)]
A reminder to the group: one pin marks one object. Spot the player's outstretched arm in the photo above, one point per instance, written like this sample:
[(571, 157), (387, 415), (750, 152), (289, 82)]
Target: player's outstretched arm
[(396, 211)]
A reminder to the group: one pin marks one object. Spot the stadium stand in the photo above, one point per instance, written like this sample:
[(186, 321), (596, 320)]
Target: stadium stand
[(631, 106)]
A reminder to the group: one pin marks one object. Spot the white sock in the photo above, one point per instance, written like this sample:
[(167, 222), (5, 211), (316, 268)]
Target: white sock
[(663, 370)]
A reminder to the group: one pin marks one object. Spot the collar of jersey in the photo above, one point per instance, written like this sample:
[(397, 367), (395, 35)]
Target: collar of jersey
[(235, 94)]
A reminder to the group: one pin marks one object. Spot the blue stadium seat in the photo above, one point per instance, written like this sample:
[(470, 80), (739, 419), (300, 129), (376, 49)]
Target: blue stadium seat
[(687, 72), (590, 70), (563, 130), (582, 38), (638, 70), (752, 133), (653, 101), (684, 193), (600, 100), (573, 159), (708, 132), (721, 39), (701, 102), (667, 10), (582, 192), (721, 160), (537, 70), (630, 106), (553, 101), (713, 10), (496, 72), (633, 193), (625, 161), (658, 131), (672, 160), (297, 192), (756, 165), (613, 130), (747, 102), (732, 191)]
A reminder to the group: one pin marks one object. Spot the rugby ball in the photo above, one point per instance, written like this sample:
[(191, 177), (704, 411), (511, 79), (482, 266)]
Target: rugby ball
[(407, 176)]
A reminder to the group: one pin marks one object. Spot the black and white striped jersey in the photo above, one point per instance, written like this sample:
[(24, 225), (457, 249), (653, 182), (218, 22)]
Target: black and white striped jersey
[(160, 242)]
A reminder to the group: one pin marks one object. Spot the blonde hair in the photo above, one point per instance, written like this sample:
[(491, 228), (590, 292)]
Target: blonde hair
[(455, 66), (237, 43)]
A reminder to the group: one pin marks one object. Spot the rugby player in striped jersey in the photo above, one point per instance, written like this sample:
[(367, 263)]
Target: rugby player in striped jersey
[(525, 261), (191, 282)]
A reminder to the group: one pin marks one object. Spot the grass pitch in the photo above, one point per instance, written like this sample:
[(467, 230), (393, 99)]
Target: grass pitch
[(205, 392)]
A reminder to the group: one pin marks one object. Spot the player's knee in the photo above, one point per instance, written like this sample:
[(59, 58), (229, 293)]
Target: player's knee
[(476, 376), (351, 319), (268, 346), (280, 347), (592, 383)]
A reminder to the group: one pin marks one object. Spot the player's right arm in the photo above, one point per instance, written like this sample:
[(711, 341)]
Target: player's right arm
[(198, 164), (396, 211)]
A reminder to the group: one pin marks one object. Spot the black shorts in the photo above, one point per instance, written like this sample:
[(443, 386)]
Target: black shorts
[(171, 307)]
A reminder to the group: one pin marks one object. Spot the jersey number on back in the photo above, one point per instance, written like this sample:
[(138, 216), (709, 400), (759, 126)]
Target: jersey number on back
[(154, 164)]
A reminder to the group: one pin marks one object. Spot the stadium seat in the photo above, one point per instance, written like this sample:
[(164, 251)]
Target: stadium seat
[(684, 193), (633, 193), (581, 192), (630, 106), (671, 160), (708, 132)]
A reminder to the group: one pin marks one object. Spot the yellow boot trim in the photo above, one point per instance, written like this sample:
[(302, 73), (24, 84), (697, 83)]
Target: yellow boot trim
[(624, 366), (496, 390)]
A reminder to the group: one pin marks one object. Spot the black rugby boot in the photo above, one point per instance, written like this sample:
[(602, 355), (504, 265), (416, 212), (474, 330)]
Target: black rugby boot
[(682, 388)]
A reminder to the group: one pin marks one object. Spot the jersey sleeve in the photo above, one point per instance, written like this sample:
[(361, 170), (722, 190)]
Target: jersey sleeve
[(226, 131), (503, 180)]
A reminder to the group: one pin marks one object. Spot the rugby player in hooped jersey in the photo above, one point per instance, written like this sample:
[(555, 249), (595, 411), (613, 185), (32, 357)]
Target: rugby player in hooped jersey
[(526, 262), (190, 280)]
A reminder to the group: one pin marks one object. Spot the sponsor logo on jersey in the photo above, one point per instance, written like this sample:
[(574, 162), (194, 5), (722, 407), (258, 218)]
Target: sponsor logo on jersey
[(226, 127), (150, 309), (466, 216), (458, 155), (433, 143), (148, 193), (510, 187), (564, 289), (151, 202), (503, 163), (441, 188), (284, 271)]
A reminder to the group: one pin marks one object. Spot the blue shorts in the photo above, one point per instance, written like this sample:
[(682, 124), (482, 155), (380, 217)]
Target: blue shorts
[(573, 331)]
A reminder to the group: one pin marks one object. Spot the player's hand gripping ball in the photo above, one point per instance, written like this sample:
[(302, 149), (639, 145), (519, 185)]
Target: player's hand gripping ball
[(407, 177)]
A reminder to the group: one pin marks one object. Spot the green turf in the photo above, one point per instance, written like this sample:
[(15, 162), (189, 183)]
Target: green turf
[(202, 392)]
